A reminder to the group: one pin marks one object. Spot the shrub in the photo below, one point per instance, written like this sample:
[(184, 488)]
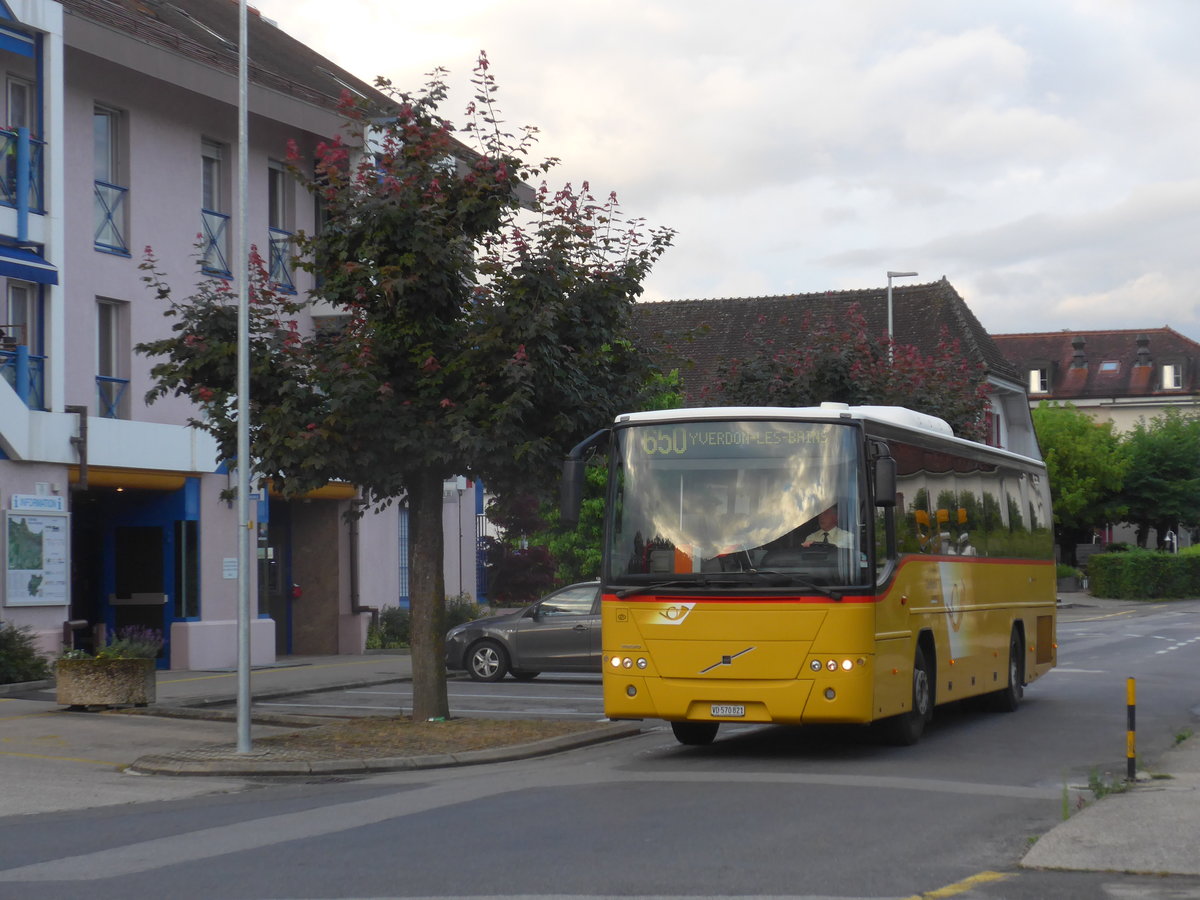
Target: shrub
[(1062, 570), (391, 631), (19, 659), (1144, 574), (460, 609)]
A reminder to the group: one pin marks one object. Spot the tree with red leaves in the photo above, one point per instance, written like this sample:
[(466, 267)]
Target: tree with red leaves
[(469, 344), (842, 362)]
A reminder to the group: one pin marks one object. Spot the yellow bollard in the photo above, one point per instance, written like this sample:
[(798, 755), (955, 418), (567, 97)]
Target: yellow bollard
[(1130, 730)]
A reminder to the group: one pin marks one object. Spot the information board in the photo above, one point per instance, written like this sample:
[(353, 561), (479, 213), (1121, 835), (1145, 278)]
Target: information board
[(37, 558)]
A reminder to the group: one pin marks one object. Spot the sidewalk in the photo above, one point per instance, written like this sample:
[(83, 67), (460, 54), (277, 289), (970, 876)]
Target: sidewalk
[(207, 700), (1152, 828)]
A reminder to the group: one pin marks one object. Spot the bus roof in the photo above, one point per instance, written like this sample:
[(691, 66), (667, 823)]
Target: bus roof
[(900, 416)]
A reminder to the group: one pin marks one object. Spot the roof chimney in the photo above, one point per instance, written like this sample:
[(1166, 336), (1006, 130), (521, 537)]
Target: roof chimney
[(1143, 351), (1078, 360)]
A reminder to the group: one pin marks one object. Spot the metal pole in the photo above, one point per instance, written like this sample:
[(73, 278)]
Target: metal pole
[(242, 257), (891, 330)]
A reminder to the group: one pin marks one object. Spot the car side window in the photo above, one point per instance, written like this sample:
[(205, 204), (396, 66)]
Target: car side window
[(571, 602)]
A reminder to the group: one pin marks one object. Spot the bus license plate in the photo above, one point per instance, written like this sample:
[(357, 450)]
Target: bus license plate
[(727, 711)]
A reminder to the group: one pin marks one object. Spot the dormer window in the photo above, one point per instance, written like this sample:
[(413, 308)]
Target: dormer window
[(1039, 381), (1172, 377)]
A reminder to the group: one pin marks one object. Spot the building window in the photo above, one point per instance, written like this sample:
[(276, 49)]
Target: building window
[(23, 322), (1172, 377), (214, 220), (21, 362), (20, 130), (279, 222), (1039, 381), (1110, 367), (21, 100), (112, 352), (110, 234)]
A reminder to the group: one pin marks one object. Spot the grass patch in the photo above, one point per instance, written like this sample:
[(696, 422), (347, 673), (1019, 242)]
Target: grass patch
[(383, 736)]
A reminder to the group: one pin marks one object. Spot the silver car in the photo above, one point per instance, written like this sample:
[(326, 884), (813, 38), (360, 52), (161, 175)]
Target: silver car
[(558, 633)]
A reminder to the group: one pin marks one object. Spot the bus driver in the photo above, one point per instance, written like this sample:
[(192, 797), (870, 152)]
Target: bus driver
[(828, 531)]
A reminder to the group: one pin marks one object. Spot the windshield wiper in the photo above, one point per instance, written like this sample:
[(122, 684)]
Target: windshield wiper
[(678, 582), (750, 576), (790, 580)]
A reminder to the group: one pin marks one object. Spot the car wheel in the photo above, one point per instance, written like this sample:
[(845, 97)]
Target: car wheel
[(695, 734), (524, 676), (487, 661)]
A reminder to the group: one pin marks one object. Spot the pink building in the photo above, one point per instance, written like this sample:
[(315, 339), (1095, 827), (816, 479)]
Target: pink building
[(120, 133)]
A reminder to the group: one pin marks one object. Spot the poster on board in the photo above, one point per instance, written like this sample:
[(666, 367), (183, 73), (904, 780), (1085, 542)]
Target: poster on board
[(36, 558)]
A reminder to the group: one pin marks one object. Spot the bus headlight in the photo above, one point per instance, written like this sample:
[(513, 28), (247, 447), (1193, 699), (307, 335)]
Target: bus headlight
[(815, 665)]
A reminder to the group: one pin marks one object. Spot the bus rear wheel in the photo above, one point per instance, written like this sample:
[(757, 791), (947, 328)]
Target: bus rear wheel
[(906, 729), (695, 734), (1008, 698)]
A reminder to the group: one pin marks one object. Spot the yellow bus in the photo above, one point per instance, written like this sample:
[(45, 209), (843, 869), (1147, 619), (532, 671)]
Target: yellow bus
[(831, 564)]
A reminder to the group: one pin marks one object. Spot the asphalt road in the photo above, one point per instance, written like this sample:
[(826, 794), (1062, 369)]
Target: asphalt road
[(764, 812)]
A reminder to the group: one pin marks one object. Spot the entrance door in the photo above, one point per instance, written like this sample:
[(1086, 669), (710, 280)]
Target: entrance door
[(133, 557), (139, 595), (275, 575)]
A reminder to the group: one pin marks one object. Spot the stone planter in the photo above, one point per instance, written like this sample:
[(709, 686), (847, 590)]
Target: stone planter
[(105, 682)]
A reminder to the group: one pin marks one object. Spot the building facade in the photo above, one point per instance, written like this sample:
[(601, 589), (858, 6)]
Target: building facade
[(1118, 376), (121, 138)]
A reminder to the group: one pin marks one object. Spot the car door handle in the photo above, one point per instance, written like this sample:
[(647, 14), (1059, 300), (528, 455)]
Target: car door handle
[(581, 628)]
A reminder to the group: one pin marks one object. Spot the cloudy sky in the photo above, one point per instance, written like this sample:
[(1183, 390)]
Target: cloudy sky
[(1043, 155)]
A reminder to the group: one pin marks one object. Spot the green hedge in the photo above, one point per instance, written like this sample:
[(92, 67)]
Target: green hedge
[(1144, 574)]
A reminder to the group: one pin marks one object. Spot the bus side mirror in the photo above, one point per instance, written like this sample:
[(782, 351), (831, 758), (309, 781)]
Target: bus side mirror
[(573, 477), (885, 481), (571, 497)]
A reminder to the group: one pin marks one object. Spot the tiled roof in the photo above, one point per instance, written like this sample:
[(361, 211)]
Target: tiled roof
[(1105, 364), (698, 334)]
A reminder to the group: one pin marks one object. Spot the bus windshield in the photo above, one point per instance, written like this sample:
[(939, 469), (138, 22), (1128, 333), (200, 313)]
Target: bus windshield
[(778, 502)]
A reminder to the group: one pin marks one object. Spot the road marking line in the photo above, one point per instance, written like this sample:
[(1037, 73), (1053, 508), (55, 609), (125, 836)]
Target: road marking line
[(961, 887)]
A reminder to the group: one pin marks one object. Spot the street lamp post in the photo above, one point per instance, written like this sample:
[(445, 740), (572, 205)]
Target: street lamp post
[(891, 329)]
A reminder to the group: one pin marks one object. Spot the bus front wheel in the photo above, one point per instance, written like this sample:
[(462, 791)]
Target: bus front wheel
[(695, 734), (907, 728)]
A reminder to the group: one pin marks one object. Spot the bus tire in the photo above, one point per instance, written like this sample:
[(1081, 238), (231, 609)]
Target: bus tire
[(1008, 698), (695, 734), (906, 729)]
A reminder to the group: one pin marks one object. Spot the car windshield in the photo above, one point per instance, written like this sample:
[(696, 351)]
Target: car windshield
[(736, 501)]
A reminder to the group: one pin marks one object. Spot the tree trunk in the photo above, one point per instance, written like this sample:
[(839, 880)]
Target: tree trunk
[(427, 598)]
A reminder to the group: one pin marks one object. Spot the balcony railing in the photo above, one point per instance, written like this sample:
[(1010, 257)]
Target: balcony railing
[(109, 394), (25, 374), (281, 271), (110, 218), (22, 157), (215, 232)]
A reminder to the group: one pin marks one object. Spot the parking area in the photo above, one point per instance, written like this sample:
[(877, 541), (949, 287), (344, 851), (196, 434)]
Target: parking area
[(547, 697)]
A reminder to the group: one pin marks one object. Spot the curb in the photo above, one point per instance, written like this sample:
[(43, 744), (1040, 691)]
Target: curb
[(21, 687), (223, 760)]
